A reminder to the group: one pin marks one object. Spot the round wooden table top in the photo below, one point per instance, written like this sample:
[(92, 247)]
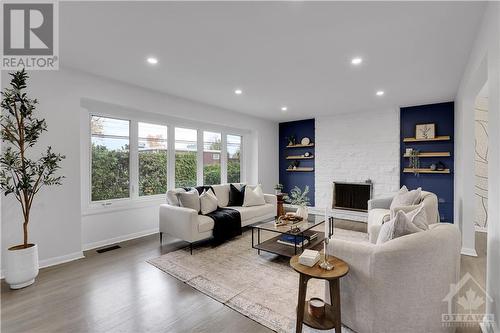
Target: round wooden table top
[(340, 268)]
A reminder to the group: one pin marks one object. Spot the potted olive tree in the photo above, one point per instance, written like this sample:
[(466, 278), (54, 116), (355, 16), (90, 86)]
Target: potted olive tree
[(21, 175)]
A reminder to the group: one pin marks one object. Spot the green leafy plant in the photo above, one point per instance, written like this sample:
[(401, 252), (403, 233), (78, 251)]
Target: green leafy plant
[(298, 197), (19, 174), (278, 187)]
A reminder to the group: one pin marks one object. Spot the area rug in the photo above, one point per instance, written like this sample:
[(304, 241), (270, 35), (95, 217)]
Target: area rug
[(262, 287)]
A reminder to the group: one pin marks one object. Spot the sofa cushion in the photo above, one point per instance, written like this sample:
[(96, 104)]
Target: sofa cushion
[(236, 195), (205, 223), (172, 196), (406, 198), (189, 199), (253, 197), (400, 225), (222, 194), (208, 202), (248, 213)]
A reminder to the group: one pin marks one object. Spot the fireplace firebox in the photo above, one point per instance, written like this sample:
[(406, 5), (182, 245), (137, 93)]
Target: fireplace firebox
[(352, 196)]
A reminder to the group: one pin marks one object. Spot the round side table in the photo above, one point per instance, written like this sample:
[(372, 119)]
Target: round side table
[(332, 317)]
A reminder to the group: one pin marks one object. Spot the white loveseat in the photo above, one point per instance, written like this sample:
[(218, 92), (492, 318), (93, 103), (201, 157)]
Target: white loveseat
[(378, 212), (399, 286), (188, 225)]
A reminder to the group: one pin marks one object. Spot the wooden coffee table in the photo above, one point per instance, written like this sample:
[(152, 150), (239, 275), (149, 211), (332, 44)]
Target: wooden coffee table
[(332, 318)]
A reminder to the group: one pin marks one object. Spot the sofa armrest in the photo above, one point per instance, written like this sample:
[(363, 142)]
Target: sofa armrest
[(384, 203), (271, 199), (179, 222)]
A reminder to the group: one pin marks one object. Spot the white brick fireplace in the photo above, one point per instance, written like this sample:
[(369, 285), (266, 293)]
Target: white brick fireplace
[(354, 148)]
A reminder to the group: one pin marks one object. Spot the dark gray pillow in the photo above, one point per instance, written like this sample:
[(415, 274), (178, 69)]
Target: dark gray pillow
[(236, 196), (189, 199)]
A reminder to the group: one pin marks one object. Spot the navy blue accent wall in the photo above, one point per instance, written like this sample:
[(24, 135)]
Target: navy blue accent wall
[(442, 114), (300, 129)]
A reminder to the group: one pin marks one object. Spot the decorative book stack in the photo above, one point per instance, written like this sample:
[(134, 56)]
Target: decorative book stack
[(309, 257)]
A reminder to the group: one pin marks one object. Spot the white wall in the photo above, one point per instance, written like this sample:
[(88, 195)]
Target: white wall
[(357, 147), (483, 65), (57, 224)]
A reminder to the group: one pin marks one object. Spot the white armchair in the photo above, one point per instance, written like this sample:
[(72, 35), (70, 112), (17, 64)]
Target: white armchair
[(399, 286), (378, 212)]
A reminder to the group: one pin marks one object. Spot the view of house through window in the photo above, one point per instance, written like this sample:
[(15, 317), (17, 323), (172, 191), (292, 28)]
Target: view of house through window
[(211, 158), (152, 159), (233, 158), (185, 157), (110, 158)]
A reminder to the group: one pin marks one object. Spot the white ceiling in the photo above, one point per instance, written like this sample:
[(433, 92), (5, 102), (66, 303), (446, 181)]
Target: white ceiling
[(296, 54)]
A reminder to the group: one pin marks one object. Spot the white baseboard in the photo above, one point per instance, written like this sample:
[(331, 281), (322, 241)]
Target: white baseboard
[(105, 242), (468, 252), (55, 261)]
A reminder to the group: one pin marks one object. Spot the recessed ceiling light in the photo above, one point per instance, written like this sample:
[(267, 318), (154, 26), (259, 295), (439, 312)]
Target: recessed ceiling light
[(356, 61), (284, 108), (152, 60), (238, 91), (380, 93)]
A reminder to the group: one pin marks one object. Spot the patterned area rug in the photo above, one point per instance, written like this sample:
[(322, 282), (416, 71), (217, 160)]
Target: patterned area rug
[(262, 287)]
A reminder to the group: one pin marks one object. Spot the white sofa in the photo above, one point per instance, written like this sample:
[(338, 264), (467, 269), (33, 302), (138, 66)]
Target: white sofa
[(378, 212), (188, 225), (399, 286)]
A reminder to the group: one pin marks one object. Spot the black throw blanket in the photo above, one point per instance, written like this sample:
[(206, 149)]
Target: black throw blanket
[(227, 224)]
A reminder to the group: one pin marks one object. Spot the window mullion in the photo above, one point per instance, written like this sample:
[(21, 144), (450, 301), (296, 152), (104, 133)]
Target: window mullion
[(134, 159), (199, 158), (223, 159), (171, 157)]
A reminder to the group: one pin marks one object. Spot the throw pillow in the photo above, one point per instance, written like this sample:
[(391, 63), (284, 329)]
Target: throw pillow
[(400, 225), (254, 197), (189, 199), (406, 198), (236, 195), (208, 202), (418, 217), (172, 196)]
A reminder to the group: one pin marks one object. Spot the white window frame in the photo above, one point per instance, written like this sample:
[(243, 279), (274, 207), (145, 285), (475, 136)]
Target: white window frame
[(102, 109)]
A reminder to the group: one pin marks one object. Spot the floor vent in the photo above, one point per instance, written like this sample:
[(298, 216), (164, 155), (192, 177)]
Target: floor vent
[(109, 248)]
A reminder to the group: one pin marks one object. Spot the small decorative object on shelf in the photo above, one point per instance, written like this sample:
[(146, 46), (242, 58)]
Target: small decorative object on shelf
[(326, 265), (425, 131), (305, 141), (433, 167), (291, 140), (307, 154), (440, 166), (408, 151), (415, 161)]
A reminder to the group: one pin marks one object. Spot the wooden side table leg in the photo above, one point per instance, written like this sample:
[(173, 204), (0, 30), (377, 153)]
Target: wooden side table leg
[(335, 300), (301, 302)]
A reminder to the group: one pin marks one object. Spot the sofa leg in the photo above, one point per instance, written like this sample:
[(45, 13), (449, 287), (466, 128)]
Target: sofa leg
[(161, 238)]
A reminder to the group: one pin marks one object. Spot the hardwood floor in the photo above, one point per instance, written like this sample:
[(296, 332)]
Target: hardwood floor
[(118, 291)]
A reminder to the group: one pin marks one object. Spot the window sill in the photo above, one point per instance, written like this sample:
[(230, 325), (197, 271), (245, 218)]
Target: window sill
[(111, 206)]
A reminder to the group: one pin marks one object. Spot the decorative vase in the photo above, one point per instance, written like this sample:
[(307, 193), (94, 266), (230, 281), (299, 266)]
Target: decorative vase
[(22, 266), (302, 212)]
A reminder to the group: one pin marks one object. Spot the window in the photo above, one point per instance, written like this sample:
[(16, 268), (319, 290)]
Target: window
[(185, 157), (110, 175), (233, 158), (152, 146), (211, 158)]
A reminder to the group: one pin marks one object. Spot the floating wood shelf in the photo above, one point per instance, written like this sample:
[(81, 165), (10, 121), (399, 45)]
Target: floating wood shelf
[(411, 170), (300, 157), (431, 154), (437, 138), (300, 169), (300, 146)]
